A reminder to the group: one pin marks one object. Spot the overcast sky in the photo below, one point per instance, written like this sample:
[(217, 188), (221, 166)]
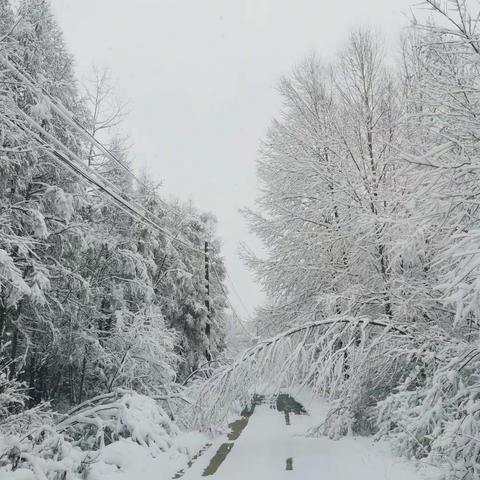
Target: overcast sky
[(200, 76)]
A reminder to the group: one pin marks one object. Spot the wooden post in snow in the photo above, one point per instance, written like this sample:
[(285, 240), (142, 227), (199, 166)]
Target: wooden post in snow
[(207, 301)]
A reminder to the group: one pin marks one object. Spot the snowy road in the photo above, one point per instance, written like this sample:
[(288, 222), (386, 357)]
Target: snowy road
[(270, 449)]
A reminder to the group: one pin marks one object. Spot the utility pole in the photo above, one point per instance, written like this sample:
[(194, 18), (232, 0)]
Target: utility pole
[(208, 355)]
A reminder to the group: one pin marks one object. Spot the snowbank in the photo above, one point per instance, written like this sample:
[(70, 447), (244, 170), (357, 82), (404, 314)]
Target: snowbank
[(122, 435)]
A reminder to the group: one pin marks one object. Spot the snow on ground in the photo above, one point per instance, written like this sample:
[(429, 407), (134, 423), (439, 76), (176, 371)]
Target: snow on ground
[(266, 449), (127, 460), (262, 450), (149, 444)]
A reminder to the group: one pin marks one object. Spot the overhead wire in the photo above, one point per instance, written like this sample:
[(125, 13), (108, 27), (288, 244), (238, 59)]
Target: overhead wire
[(78, 167), (234, 311), (66, 116), (117, 197), (58, 107), (69, 117), (62, 159), (237, 294)]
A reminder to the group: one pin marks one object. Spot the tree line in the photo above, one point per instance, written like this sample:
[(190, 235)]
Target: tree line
[(369, 212), (91, 298)]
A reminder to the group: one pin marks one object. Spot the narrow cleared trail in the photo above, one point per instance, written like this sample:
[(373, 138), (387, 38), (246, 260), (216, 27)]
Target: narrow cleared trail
[(268, 443)]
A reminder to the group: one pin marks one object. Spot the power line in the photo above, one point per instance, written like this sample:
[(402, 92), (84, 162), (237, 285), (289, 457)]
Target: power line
[(117, 198), (78, 167), (237, 294), (58, 107), (234, 311), (118, 195), (69, 117), (58, 157)]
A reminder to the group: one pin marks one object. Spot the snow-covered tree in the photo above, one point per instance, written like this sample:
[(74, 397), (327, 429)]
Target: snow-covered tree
[(91, 298)]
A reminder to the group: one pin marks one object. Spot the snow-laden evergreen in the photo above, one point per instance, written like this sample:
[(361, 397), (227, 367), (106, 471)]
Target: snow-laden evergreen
[(91, 300)]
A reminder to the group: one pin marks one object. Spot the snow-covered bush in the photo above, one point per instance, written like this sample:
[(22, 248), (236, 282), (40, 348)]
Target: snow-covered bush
[(72, 444), (435, 412), (12, 394), (120, 413)]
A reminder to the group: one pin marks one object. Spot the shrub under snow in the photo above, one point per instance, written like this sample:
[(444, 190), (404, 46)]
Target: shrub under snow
[(103, 435)]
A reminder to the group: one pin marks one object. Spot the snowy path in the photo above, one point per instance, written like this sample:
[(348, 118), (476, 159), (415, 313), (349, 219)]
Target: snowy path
[(268, 447)]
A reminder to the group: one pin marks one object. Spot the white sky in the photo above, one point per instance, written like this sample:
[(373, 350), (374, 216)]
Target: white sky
[(199, 77)]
